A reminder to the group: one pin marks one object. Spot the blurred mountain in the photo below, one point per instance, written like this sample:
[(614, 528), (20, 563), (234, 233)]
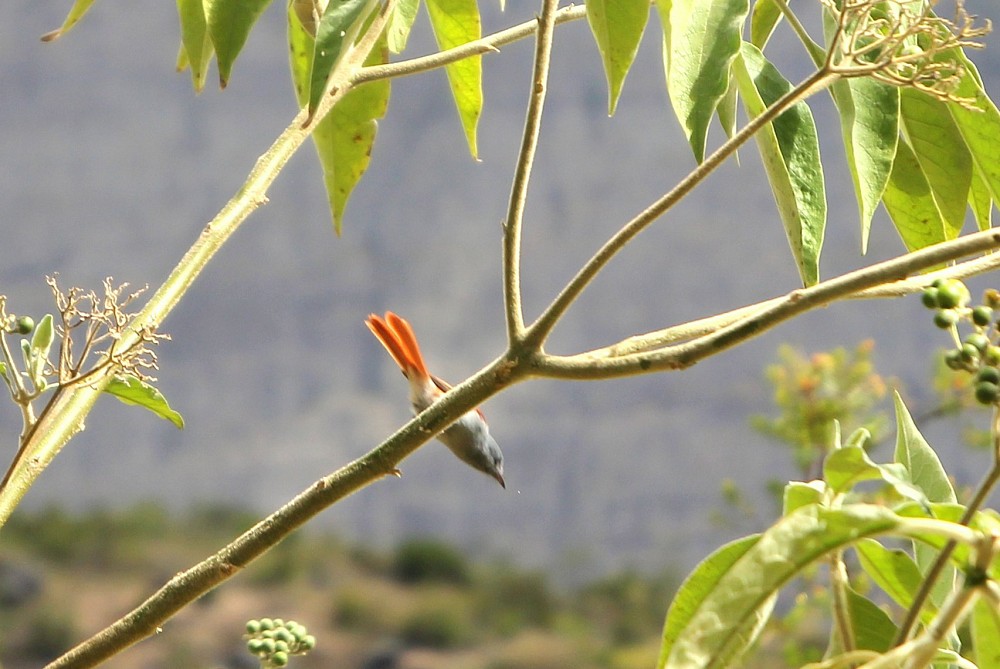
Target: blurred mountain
[(113, 166)]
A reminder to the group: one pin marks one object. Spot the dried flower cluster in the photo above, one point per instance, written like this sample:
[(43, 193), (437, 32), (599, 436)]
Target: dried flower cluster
[(904, 43), (89, 322)]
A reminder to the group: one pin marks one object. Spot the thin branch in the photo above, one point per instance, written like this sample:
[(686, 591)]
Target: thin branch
[(539, 331), (522, 174), (488, 44), (755, 321)]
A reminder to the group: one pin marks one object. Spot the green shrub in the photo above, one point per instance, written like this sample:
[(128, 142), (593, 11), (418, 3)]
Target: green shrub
[(423, 560), (438, 627)]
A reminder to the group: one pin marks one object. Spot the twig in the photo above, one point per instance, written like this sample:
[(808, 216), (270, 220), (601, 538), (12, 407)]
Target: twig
[(522, 174), (754, 321)]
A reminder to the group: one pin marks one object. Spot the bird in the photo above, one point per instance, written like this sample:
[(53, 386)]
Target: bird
[(468, 437)]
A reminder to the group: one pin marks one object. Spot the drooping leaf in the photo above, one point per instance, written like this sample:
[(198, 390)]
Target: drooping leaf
[(737, 598), (335, 34), (985, 629), (727, 109), (980, 128), (345, 137), (131, 390), (765, 17), (229, 24), (895, 572), (301, 46), (76, 13), (869, 125), (941, 154), (704, 40), (404, 13), (456, 22), (698, 585), (980, 201), (801, 493), (789, 149), (617, 26), (195, 40), (910, 204)]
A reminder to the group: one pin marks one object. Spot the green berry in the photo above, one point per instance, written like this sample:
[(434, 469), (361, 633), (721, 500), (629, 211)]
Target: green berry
[(969, 353), (267, 646), (991, 298), (992, 355), (987, 393), (980, 341), (945, 318), (989, 375), (254, 646), (953, 359), (284, 635), (952, 293), (279, 622), (930, 297), (280, 647), (266, 624), (308, 642), (24, 325), (253, 626), (982, 316), (279, 659)]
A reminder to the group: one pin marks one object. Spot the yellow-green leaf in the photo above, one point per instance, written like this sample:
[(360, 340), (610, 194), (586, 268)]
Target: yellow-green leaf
[(195, 40), (910, 204), (344, 138), (335, 33), (704, 40), (229, 24), (456, 22), (76, 13), (131, 390), (941, 153), (404, 12), (789, 148), (980, 128), (617, 26)]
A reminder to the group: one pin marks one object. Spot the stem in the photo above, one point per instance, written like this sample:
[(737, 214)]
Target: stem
[(69, 406), (522, 174), (983, 490), (540, 330), (753, 321)]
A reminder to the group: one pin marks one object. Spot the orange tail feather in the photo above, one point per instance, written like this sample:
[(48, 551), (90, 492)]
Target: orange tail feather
[(397, 337)]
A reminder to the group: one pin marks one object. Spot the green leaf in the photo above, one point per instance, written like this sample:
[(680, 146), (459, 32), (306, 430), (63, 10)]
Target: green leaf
[(715, 630), (727, 109), (195, 40), (869, 125), (910, 204), (801, 493), (704, 39), (133, 391), (404, 13), (456, 22), (698, 585), (981, 201), (980, 127), (895, 572), (920, 460), (873, 628), (985, 630), (345, 137), (617, 26), (301, 46), (848, 466), (941, 153), (763, 20), (229, 23), (76, 13), (789, 149), (335, 33), (43, 336)]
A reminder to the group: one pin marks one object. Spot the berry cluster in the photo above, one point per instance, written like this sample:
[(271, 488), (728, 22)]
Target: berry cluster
[(978, 353), (274, 640)]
